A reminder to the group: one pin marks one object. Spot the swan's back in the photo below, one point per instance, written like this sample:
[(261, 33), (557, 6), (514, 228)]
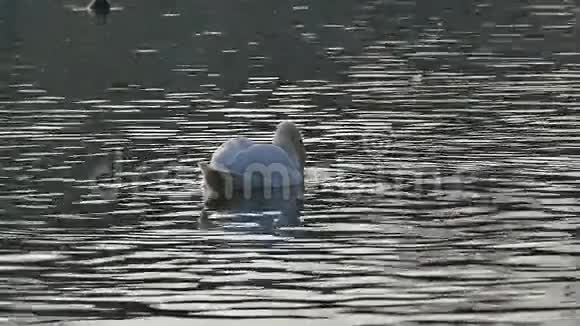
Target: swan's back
[(241, 158)]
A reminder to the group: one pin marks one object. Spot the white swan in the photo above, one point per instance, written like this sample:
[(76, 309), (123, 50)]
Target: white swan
[(240, 165)]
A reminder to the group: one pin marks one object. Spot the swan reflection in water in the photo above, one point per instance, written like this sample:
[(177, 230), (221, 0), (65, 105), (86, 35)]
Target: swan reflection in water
[(258, 211)]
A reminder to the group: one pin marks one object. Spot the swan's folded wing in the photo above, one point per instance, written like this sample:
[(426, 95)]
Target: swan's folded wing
[(262, 162), (226, 154), (261, 155)]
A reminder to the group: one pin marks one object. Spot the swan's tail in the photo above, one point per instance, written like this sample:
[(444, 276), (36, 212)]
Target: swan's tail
[(218, 182)]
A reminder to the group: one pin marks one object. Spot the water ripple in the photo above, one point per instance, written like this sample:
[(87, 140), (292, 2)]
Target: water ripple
[(441, 182)]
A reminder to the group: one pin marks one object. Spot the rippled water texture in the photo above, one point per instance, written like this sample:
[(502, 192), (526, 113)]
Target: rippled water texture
[(443, 168)]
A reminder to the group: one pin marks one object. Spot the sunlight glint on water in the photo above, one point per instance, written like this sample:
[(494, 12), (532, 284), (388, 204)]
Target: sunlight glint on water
[(442, 176)]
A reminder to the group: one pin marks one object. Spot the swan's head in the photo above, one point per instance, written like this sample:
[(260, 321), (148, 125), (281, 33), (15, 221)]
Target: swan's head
[(289, 138)]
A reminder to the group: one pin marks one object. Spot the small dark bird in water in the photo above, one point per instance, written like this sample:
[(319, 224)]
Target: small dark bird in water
[(101, 6)]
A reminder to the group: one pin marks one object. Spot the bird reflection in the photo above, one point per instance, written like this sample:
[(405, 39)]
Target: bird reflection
[(99, 9), (102, 7), (255, 212)]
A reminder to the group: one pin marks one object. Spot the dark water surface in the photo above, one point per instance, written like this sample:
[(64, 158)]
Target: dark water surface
[(443, 171)]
